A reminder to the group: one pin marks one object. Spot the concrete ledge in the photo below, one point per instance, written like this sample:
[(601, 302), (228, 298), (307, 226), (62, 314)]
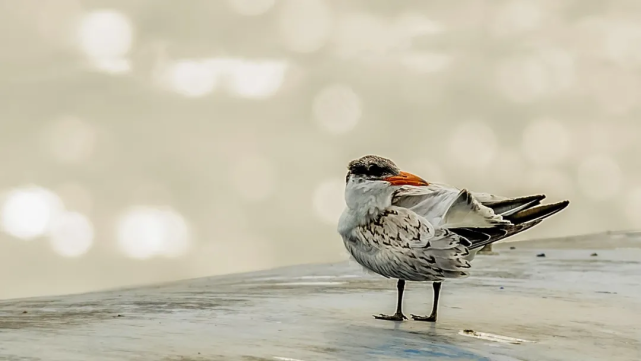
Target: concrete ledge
[(570, 305)]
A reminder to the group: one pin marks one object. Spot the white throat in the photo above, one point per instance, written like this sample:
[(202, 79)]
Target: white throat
[(365, 201)]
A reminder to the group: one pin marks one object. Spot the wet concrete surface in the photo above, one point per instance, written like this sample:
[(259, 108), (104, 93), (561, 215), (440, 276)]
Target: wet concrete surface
[(572, 305)]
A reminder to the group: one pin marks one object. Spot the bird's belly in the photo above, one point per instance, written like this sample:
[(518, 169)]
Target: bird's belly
[(390, 264)]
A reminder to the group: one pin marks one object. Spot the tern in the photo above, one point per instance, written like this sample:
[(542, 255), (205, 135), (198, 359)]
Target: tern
[(400, 226)]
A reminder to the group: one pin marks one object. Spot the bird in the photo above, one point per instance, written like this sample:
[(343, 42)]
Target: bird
[(402, 227)]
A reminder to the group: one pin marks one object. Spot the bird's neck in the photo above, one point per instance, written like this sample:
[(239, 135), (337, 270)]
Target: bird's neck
[(368, 211), (363, 206)]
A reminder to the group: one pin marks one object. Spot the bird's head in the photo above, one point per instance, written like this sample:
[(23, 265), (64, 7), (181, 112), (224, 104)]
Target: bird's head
[(372, 180)]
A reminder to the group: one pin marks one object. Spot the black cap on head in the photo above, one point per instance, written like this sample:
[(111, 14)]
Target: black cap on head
[(372, 167)]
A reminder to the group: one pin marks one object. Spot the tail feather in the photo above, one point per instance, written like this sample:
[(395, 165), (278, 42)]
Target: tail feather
[(519, 222), (537, 213), (508, 207), (480, 237)]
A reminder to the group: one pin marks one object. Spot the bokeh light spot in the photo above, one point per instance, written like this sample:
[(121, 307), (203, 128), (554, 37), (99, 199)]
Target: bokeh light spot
[(337, 108), (257, 79), (193, 78), (71, 234), (106, 36), (27, 212), (252, 79), (144, 232)]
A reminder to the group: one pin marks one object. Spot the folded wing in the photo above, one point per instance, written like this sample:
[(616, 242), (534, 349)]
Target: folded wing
[(405, 246), (481, 218)]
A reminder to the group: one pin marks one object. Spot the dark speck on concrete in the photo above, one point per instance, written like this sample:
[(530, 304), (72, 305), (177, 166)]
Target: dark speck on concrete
[(541, 255), (512, 247), (593, 255)]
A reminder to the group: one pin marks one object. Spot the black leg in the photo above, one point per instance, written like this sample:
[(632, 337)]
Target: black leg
[(432, 317), (398, 316)]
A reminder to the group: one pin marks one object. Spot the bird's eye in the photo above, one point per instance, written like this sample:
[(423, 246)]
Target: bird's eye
[(375, 170)]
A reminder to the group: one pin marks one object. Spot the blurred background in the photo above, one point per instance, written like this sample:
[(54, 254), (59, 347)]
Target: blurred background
[(146, 141)]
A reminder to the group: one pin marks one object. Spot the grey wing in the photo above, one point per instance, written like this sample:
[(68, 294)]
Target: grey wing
[(482, 223), (433, 201), (413, 249), (445, 207)]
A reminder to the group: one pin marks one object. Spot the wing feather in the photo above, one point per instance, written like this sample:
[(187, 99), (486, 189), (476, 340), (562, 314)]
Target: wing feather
[(481, 218), (405, 245)]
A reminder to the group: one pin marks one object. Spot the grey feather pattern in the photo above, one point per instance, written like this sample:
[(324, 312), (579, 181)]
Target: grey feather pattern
[(401, 244)]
